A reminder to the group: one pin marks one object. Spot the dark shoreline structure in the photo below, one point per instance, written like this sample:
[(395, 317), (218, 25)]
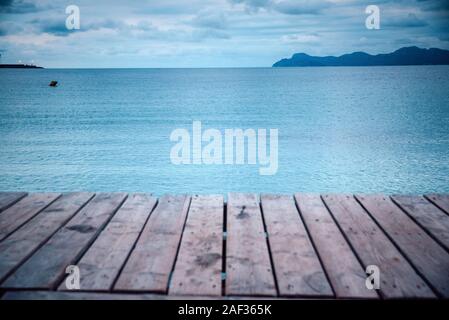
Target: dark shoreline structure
[(138, 246), (19, 66), (401, 57)]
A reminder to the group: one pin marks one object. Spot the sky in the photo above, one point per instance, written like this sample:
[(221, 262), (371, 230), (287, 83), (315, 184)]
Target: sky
[(210, 33)]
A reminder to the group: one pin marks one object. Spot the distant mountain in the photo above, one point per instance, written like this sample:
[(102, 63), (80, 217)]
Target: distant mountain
[(401, 57)]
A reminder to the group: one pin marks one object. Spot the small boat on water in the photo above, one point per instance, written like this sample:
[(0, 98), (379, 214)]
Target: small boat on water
[(53, 83)]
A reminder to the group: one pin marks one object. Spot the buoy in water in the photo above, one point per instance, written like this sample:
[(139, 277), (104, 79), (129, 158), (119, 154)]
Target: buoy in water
[(53, 83)]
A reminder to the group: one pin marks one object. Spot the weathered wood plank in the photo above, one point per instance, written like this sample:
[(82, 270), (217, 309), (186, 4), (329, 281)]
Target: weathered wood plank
[(199, 264), (427, 215), (14, 217), (7, 199), (78, 295), (66, 245), (101, 264), (297, 267), (21, 244), (343, 269), (397, 277), (440, 200), (428, 257), (248, 266), (150, 264)]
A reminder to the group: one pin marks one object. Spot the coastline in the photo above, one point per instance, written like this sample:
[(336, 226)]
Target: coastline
[(19, 66)]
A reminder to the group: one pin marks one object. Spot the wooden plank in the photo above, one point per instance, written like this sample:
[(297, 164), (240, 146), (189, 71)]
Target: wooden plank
[(343, 269), (66, 245), (199, 264), (427, 215), (248, 266), (297, 267), (103, 261), (397, 277), (26, 240), (7, 199), (151, 262), (14, 217), (440, 200), (428, 257), (78, 295)]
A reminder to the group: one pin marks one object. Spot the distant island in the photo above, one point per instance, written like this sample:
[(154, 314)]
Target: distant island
[(20, 66), (401, 57)]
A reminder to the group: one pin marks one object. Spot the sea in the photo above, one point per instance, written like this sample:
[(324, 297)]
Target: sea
[(340, 129)]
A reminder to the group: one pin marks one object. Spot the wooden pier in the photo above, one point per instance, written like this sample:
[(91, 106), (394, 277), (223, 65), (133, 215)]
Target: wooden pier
[(136, 246)]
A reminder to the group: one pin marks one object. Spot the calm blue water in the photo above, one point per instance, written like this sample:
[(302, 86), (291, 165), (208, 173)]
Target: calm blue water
[(382, 129)]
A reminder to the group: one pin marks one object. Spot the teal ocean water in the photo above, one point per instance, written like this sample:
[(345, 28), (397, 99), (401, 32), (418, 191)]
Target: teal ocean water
[(381, 129)]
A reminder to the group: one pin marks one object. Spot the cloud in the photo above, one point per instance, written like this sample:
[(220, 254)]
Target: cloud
[(434, 5), (17, 6), (301, 38), (409, 21), (173, 7), (208, 19), (5, 3), (26, 40), (292, 7), (141, 30), (300, 7), (199, 35), (57, 27), (191, 33), (10, 27), (253, 4)]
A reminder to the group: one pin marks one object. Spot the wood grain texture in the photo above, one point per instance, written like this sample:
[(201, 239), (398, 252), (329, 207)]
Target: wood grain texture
[(199, 264), (101, 264), (78, 295), (343, 269), (297, 267), (150, 264), (25, 209), (7, 199), (136, 247), (27, 239), (248, 266), (427, 215), (440, 200), (429, 258), (397, 277), (65, 246)]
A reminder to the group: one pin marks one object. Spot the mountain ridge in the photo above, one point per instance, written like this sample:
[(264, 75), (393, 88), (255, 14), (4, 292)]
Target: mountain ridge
[(403, 56)]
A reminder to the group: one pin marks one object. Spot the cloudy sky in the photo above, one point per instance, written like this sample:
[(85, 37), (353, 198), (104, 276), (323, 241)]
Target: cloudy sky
[(211, 33)]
